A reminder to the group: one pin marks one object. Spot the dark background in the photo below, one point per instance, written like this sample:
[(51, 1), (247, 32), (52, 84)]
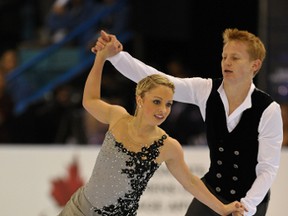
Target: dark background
[(189, 30)]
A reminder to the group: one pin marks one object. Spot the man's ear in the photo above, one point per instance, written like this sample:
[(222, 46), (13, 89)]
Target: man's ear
[(256, 65)]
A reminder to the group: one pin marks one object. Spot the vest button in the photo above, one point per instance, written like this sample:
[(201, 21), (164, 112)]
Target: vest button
[(218, 189), (219, 162), (235, 178), (232, 191), (235, 166), (218, 175), (221, 149), (236, 152)]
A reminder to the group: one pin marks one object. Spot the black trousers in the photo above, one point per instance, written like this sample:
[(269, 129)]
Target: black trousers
[(197, 208)]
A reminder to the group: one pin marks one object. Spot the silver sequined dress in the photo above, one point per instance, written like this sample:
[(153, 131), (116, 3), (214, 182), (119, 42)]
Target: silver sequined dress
[(120, 176)]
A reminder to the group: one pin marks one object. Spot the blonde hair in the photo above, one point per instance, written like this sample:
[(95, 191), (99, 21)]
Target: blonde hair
[(150, 82), (256, 48)]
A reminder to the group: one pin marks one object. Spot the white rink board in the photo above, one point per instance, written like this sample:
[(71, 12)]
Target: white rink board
[(27, 173)]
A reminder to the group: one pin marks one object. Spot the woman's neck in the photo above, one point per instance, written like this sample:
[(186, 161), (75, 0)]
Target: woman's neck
[(138, 127)]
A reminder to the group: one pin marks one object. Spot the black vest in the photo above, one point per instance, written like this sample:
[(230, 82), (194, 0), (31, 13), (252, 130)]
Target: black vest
[(233, 155)]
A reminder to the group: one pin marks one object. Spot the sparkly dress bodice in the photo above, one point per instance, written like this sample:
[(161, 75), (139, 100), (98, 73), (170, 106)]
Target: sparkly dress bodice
[(120, 176)]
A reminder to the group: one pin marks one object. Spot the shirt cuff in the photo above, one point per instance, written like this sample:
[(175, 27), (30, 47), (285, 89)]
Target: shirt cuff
[(114, 59), (251, 208)]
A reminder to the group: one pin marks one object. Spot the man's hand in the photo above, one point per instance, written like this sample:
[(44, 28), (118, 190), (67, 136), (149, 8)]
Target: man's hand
[(234, 207), (241, 212), (103, 40)]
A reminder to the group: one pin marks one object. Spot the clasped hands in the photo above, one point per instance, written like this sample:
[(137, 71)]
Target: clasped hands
[(109, 40), (240, 209)]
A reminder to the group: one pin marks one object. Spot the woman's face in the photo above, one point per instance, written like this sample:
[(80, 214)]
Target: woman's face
[(156, 104)]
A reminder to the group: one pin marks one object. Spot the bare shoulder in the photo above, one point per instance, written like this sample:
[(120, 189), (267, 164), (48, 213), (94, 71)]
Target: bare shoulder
[(118, 110), (172, 141), (117, 113), (172, 148)]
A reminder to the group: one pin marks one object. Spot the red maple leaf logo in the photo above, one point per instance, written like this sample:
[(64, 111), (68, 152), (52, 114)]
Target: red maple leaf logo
[(64, 187)]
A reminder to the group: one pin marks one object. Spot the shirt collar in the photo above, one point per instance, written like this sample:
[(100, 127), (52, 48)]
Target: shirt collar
[(246, 103)]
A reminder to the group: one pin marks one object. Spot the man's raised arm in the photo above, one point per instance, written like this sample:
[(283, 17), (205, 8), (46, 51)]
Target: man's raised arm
[(136, 70)]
